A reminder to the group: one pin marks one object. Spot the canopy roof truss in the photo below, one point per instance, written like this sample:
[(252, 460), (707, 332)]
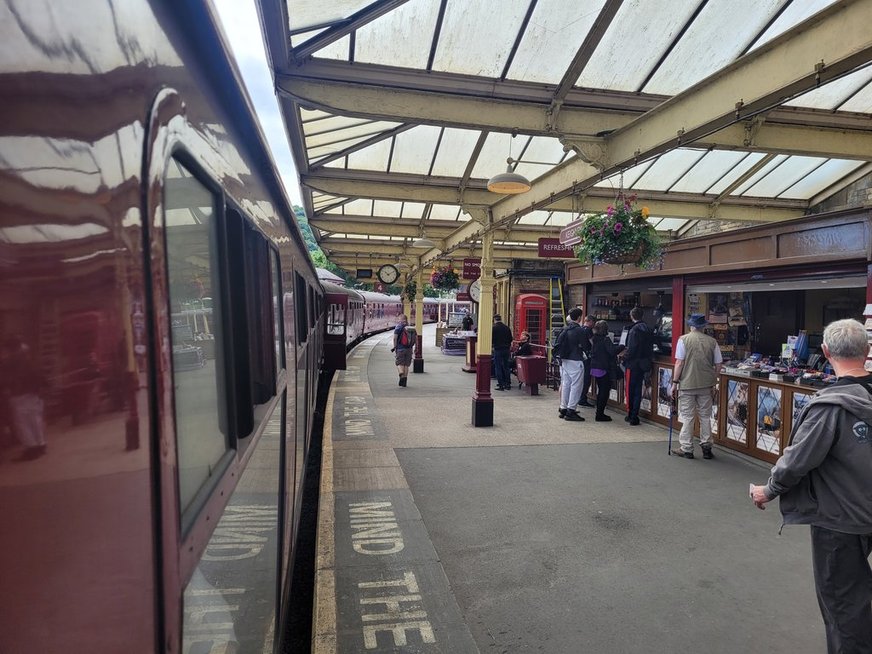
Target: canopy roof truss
[(728, 110)]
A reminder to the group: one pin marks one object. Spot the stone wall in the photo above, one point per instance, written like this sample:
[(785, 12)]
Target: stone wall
[(858, 194)]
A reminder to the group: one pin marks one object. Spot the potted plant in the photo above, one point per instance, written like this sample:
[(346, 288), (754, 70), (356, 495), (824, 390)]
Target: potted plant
[(444, 279), (620, 235)]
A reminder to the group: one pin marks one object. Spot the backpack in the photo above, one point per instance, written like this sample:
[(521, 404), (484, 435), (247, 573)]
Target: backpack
[(403, 340)]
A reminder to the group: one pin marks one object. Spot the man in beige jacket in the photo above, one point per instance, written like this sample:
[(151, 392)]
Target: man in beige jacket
[(698, 361)]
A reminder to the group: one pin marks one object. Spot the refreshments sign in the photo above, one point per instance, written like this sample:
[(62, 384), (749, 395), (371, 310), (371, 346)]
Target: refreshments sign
[(554, 248), (471, 268)]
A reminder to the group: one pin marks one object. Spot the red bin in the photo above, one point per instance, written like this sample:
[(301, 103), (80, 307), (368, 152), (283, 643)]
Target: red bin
[(531, 372)]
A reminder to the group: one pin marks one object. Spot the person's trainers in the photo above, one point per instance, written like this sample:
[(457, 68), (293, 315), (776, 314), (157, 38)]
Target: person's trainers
[(707, 453), (626, 418), (603, 418), (633, 421), (572, 416), (562, 413), (685, 455), (584, 403)]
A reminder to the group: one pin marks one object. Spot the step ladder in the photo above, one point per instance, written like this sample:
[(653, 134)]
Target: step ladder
[(557, 311)]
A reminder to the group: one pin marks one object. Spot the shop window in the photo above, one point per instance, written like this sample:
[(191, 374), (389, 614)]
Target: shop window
[(197, 333)]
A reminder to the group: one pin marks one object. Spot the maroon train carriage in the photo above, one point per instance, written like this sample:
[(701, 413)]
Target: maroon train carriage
[(160, 339), (343, 324), (381, 312)]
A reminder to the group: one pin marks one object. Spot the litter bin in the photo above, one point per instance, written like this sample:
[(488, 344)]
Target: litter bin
[(531, 372)]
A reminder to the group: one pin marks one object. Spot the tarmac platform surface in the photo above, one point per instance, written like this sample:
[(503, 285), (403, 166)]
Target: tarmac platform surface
[(536, 534)]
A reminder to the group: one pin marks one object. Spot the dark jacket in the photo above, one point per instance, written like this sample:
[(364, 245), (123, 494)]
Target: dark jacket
[(586, 339), (502, 336), (823, 476), (603, 353), (524, 350), (569, 342), (640, 347)]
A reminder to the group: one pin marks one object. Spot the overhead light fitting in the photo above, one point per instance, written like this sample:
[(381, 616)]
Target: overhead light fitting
[(509, 182), (423, 242)]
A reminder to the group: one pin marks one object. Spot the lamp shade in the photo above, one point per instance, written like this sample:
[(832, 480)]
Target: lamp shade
[(423, 242), (508, 183)]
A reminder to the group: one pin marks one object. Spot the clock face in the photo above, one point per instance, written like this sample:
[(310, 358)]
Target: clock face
[(475, 290), (388, 274)]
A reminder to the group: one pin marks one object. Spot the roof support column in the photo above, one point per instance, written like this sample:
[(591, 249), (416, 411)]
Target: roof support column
[(418, 363), (482, 402)]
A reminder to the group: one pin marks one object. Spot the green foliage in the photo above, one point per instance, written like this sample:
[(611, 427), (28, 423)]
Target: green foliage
[(306, 230), (620, 235)]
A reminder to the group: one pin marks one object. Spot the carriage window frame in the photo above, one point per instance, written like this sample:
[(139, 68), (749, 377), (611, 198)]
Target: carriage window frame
[(192, 494)]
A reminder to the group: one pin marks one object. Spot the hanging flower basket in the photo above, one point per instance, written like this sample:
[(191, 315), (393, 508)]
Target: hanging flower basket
[(444, 279), (621, 235), (410, 290)]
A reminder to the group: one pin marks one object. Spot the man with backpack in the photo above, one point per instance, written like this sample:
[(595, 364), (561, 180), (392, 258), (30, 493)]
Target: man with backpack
[(569, 349), (404, 342)]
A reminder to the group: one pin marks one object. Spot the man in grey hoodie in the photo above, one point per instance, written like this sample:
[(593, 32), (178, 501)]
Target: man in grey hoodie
[(824, 479)]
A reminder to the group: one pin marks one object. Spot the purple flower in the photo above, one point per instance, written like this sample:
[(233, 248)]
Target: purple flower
[(610, 211), (618, 227)]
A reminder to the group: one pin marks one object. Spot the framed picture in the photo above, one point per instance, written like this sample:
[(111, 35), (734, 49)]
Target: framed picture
[(737, 411), (768, 436), (664, 400)]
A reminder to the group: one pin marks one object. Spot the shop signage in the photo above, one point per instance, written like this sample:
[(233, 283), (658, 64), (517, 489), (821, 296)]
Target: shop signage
[(463, 296), (471, 268), (364, 273), (568, 235), (553, 247)]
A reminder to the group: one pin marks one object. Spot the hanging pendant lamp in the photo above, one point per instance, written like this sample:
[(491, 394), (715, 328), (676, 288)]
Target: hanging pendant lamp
[(509, 182)]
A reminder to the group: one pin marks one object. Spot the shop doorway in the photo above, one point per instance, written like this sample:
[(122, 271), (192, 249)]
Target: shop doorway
[(776, 314)]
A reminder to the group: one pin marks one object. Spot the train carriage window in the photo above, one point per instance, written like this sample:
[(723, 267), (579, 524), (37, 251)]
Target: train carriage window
[(300, 308), (336, 320), (275, 267), (197, 336)]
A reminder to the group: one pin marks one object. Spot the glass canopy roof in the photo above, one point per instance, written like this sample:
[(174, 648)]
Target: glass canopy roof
[(462, 85)]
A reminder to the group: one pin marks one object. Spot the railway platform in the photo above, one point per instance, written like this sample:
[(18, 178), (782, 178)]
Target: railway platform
[(538, 535)]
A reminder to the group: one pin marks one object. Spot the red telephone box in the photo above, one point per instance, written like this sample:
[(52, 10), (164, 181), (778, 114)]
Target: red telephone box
[(531, 313)]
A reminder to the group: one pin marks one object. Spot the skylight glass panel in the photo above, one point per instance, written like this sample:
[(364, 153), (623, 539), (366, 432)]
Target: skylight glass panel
[(313, 115), (299, 39), (477, 37), (669, 224), (359, 208), (561, 218), (413, 209), (832, 95), (760, 174), (704, 48), (740, 169), (337, 50), (862, 102), (372, 157), (360, 236), (546, 152), (556, 30), (630, 177), (632, 45), (319, 151), (312, 13), (343, 134), (397, 38), (708, 170), (785, 176), (795, 13), (413, 150), (386, 208), (668, 168), (492, 158), (454, 152), (444, 212), (534, 218), (821, 179)]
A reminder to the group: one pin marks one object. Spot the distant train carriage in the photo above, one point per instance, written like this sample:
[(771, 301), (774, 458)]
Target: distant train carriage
[(343, 324)]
